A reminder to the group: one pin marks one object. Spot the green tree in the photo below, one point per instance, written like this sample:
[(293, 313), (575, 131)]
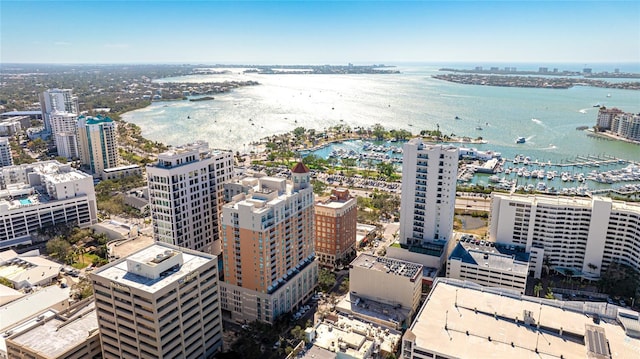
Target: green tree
[(379, 132), (349, 164), (318, 187), (326, 280), (537, 289), (60, 249)]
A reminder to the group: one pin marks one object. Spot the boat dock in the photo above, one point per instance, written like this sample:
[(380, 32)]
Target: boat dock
[(578, 161)]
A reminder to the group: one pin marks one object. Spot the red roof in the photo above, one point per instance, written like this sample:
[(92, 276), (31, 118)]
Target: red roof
[(300, 168)]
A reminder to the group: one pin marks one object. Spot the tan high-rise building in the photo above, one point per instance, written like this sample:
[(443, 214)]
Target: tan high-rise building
[(160, 302), (336, 220), (268, 247)]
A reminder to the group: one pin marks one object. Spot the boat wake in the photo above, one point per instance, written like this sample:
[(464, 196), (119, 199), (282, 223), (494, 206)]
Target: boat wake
[(583, 110), (535, 120), (551, 147), (450, 95)]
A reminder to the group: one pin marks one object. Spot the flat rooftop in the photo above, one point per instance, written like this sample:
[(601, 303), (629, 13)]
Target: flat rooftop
[(59, 334), (387, 265), (118, 271), (368, 310), (28, 306), (463, 320)]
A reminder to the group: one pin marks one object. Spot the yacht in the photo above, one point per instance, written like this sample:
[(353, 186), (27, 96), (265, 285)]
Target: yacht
[(521, 140)]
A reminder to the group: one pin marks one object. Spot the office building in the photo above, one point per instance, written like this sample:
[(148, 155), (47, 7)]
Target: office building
[(97, 141), (64, 127), (6, 159), (461, 319), (268, 247), (386, 280), (40, 195), (429, 175), (120, 172), (185, 195), (335, 228), (584, 235), (489, 264), (159, 302), (69, 334), (57, 101)]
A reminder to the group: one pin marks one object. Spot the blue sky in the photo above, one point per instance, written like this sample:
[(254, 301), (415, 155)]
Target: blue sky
[(311, 32)]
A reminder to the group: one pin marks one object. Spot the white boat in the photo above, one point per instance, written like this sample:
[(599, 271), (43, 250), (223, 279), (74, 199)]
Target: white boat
[(521, 140)]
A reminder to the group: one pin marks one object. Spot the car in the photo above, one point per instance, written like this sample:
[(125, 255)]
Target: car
[(245, 326), (63, 285)]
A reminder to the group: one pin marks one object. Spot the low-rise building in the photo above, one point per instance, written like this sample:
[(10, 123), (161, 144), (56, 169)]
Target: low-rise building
[(490, 264), (69, 334), (343, 337), (121, 172), (461, 319), (386, 280), (27, 271)]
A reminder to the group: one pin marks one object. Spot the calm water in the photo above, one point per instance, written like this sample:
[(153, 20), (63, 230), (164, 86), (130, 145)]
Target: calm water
[(411, 100)]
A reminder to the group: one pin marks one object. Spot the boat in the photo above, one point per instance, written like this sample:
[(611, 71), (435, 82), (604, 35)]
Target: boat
[(521, 140), (479, 128), (597, 105), (188, 117), (608, 95), (457, 118)]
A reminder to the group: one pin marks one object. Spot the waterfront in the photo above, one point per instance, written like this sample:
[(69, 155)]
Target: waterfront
[(411, 100)]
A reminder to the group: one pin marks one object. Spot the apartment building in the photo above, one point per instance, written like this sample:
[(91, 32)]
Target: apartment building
[(57, 101), (43, 194), (64, 128), (97, 141), (159, 302), (585, 235), (460, 319), (627, 126), (429, 175), (489, 264), (335, 228), (185, 195), (606, 116), (6, 159), (268, 247)]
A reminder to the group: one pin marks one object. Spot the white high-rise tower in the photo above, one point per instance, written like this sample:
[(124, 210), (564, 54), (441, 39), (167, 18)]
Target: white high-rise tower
[(185, 195), (429, 174)]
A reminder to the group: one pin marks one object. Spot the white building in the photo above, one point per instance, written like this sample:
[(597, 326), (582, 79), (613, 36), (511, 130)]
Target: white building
[(186, 193), (97, 141), (461, 319), (40, 195), (115, 173), (26, 271), (584, 235), (57, 101), (429, 175), (159, 302), (386, 280), (489, 264), (6, 159), (64, 127)]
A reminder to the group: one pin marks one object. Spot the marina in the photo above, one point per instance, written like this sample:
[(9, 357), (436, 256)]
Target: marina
[(579, 175)]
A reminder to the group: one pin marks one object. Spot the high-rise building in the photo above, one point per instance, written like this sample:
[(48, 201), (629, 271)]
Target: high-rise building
[(584, 235), (57, 101), (427, 204), (429, 175), (97, 140), (186, 193), (268, 248), (43, 194), (5, 152), (606, 116), (64, 127), (159, 302), (335, 228)]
